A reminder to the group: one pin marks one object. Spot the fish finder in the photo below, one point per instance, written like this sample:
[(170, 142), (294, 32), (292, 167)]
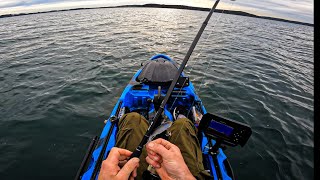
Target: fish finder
[(224, 130)]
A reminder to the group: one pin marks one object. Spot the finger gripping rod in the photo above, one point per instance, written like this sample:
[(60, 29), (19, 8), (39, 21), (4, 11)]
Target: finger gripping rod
[(156, 118)]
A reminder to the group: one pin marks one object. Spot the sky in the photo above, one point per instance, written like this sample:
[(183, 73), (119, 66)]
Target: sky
[(298, 10)]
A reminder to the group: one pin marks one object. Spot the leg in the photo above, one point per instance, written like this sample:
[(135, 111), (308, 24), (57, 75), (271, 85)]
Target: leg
[(183, 135), (132, 127)]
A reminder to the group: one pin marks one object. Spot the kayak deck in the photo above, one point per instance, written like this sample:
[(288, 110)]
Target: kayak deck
[(137, 97)]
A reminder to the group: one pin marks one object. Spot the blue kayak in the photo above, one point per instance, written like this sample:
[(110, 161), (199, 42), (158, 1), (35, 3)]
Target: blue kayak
[(140, 95)]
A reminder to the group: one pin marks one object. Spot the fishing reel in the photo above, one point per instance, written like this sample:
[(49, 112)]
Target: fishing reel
[(150, 173)]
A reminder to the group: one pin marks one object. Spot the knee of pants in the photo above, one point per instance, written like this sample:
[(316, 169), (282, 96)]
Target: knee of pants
[(183, 121), (131, 118), (184, 124)]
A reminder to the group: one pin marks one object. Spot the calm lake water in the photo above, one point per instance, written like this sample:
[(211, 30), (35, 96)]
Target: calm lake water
[(61, 74)]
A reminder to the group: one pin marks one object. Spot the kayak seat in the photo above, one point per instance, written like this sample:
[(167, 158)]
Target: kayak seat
[(159, 71)]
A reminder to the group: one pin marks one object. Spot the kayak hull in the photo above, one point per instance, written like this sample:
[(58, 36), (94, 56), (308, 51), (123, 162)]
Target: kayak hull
[(134, 98)]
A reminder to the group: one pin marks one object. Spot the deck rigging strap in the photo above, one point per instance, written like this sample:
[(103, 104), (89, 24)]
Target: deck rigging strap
[(152, 126)]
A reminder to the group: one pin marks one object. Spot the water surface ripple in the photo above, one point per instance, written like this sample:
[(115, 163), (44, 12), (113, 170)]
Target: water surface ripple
[(61, 73)]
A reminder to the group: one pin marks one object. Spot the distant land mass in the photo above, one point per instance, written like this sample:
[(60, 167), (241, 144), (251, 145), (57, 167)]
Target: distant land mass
[(240, 13)]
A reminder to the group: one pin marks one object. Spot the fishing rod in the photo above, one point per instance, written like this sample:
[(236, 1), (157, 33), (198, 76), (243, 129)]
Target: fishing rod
[(156, 118)]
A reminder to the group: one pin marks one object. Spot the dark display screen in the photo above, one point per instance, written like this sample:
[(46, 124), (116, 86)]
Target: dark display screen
[(222, 128), (226, 131)]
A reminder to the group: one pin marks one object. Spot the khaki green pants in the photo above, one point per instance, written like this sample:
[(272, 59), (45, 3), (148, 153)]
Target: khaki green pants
[(133, 126)]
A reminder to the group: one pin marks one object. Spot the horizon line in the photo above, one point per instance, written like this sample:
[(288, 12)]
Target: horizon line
[(153, 5)]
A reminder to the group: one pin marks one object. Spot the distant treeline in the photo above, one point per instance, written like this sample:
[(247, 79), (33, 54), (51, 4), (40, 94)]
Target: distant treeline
[(240, 13)]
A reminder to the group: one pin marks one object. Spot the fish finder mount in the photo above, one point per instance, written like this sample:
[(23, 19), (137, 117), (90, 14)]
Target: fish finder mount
[(224, 131)]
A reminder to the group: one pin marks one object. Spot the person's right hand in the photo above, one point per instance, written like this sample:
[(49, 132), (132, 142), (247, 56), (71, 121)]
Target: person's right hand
[(167, 159)]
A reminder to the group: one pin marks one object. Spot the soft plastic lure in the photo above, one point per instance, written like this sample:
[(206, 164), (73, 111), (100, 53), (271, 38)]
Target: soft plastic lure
[(164, 126)]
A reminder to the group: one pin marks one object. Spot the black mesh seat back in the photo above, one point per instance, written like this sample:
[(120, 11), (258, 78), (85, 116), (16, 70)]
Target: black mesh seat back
[(157, 71)]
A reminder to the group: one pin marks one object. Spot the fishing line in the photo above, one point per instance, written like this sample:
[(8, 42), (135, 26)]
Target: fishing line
[(200, 51), (192, 66), (206, 69), (180, 90), (202, 78)]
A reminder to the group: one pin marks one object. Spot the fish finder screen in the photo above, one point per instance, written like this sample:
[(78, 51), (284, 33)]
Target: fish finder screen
[(222, 128)]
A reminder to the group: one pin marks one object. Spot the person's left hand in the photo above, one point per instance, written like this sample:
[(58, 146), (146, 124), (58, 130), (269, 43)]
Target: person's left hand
[(110, 168)]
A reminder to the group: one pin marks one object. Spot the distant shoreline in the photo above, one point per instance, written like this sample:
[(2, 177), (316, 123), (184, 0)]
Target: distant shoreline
[(240, 13)]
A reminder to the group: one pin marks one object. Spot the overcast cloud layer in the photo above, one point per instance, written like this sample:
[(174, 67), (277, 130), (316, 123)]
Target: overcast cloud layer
[(301, 10)]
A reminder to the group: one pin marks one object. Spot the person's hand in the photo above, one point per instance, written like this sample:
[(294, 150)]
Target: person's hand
[(110, 168), (167, 159)]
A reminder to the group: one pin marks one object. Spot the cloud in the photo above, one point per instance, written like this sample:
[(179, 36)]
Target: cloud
[(301, 10), (288, 9), (15, 3), (26, 6)]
